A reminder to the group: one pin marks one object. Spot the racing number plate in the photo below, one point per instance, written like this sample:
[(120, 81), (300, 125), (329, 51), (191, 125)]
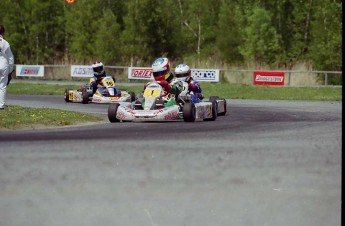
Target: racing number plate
[(108, 82), (71, 95), (152, 93)]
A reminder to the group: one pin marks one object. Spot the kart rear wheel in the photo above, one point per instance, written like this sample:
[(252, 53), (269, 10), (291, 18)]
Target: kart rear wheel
[(212, 98), (66, 96), (85, 96), (189, 112), (214, 111), (112, 112)]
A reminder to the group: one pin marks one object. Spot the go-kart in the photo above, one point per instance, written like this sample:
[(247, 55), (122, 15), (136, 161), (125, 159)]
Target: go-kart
[(105, 93), (189, 96), (154, 105)]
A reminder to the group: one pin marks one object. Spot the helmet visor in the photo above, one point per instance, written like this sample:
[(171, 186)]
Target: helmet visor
[(183, 75), (98, 69), (160, 73)]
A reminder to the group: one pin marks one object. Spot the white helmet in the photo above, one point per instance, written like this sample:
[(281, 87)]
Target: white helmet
[(98, 68), (183, 72)]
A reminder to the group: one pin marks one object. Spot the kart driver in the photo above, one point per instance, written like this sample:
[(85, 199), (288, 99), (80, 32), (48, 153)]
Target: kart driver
[(98, 75), (162, 74), (183, 73)]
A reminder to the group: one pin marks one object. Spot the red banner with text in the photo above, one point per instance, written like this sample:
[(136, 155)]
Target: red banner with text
[(275, 78)]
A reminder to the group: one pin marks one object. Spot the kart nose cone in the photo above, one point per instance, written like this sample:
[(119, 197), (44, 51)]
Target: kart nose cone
[(111, 91)]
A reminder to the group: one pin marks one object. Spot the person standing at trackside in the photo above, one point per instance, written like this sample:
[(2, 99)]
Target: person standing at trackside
[(6, 66)]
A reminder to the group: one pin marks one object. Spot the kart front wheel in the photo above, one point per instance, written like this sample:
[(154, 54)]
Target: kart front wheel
[(112, 112), (85, 96), (189, 112), (66, 96)]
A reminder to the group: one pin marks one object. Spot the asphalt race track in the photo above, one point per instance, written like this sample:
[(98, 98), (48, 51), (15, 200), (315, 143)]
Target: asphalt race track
[(264, 163)]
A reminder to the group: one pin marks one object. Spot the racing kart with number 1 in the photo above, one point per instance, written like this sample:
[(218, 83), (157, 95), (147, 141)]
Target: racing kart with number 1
[(153, 105)]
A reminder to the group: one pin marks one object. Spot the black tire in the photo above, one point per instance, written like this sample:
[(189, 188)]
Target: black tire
[(189, 112), (132, 94), (85, 96), (212, 98), (112, 112), (66, 95), (214, 111), (223, 113)]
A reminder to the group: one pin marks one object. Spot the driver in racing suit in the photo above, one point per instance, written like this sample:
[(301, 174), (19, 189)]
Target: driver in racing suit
[(164, 76), (98, 75), (6, 66), (183, 73)]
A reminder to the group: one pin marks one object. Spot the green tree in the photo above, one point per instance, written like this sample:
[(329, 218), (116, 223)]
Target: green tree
[(326, 36), (229, 36), (81, 21), (34, 29), (262, 43), (107, 44)]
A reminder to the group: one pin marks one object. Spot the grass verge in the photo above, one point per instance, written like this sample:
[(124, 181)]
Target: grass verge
[(223, 90), (16, 117)]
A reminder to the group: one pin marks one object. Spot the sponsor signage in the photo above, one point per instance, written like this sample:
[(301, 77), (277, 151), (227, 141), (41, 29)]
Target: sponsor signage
[(30, 70), (269, 78), (81, 71), (205, 75), (140, 73), (208, 75)]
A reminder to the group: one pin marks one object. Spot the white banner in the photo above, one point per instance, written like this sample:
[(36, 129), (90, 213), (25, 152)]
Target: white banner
[(205, 75), (30, 70), (140, 73), (81, 71)]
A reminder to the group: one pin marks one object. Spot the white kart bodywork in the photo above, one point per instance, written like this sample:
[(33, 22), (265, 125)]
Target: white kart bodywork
[(152, 111)]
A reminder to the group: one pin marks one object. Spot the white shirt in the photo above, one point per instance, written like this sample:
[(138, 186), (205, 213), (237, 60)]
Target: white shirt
[(6, 56)]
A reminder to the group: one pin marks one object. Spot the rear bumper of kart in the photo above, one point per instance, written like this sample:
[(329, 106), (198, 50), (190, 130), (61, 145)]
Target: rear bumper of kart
[(221, 106)]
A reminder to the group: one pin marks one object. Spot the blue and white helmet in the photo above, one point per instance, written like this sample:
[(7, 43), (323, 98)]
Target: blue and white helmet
[(183, 72)]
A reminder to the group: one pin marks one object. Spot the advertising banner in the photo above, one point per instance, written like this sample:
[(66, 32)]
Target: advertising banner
[(140, 73), (269, 78), (81, 71), (207, 75), (30, 70)]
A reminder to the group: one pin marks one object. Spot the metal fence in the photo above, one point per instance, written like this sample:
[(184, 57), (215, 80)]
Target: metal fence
[(292, 78)]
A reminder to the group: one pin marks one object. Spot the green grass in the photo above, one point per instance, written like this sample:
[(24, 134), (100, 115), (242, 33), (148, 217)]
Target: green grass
[(223, 90), (16, 117), (239, 91)]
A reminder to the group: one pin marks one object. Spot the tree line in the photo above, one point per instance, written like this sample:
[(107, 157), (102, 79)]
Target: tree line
[(276, 34)]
